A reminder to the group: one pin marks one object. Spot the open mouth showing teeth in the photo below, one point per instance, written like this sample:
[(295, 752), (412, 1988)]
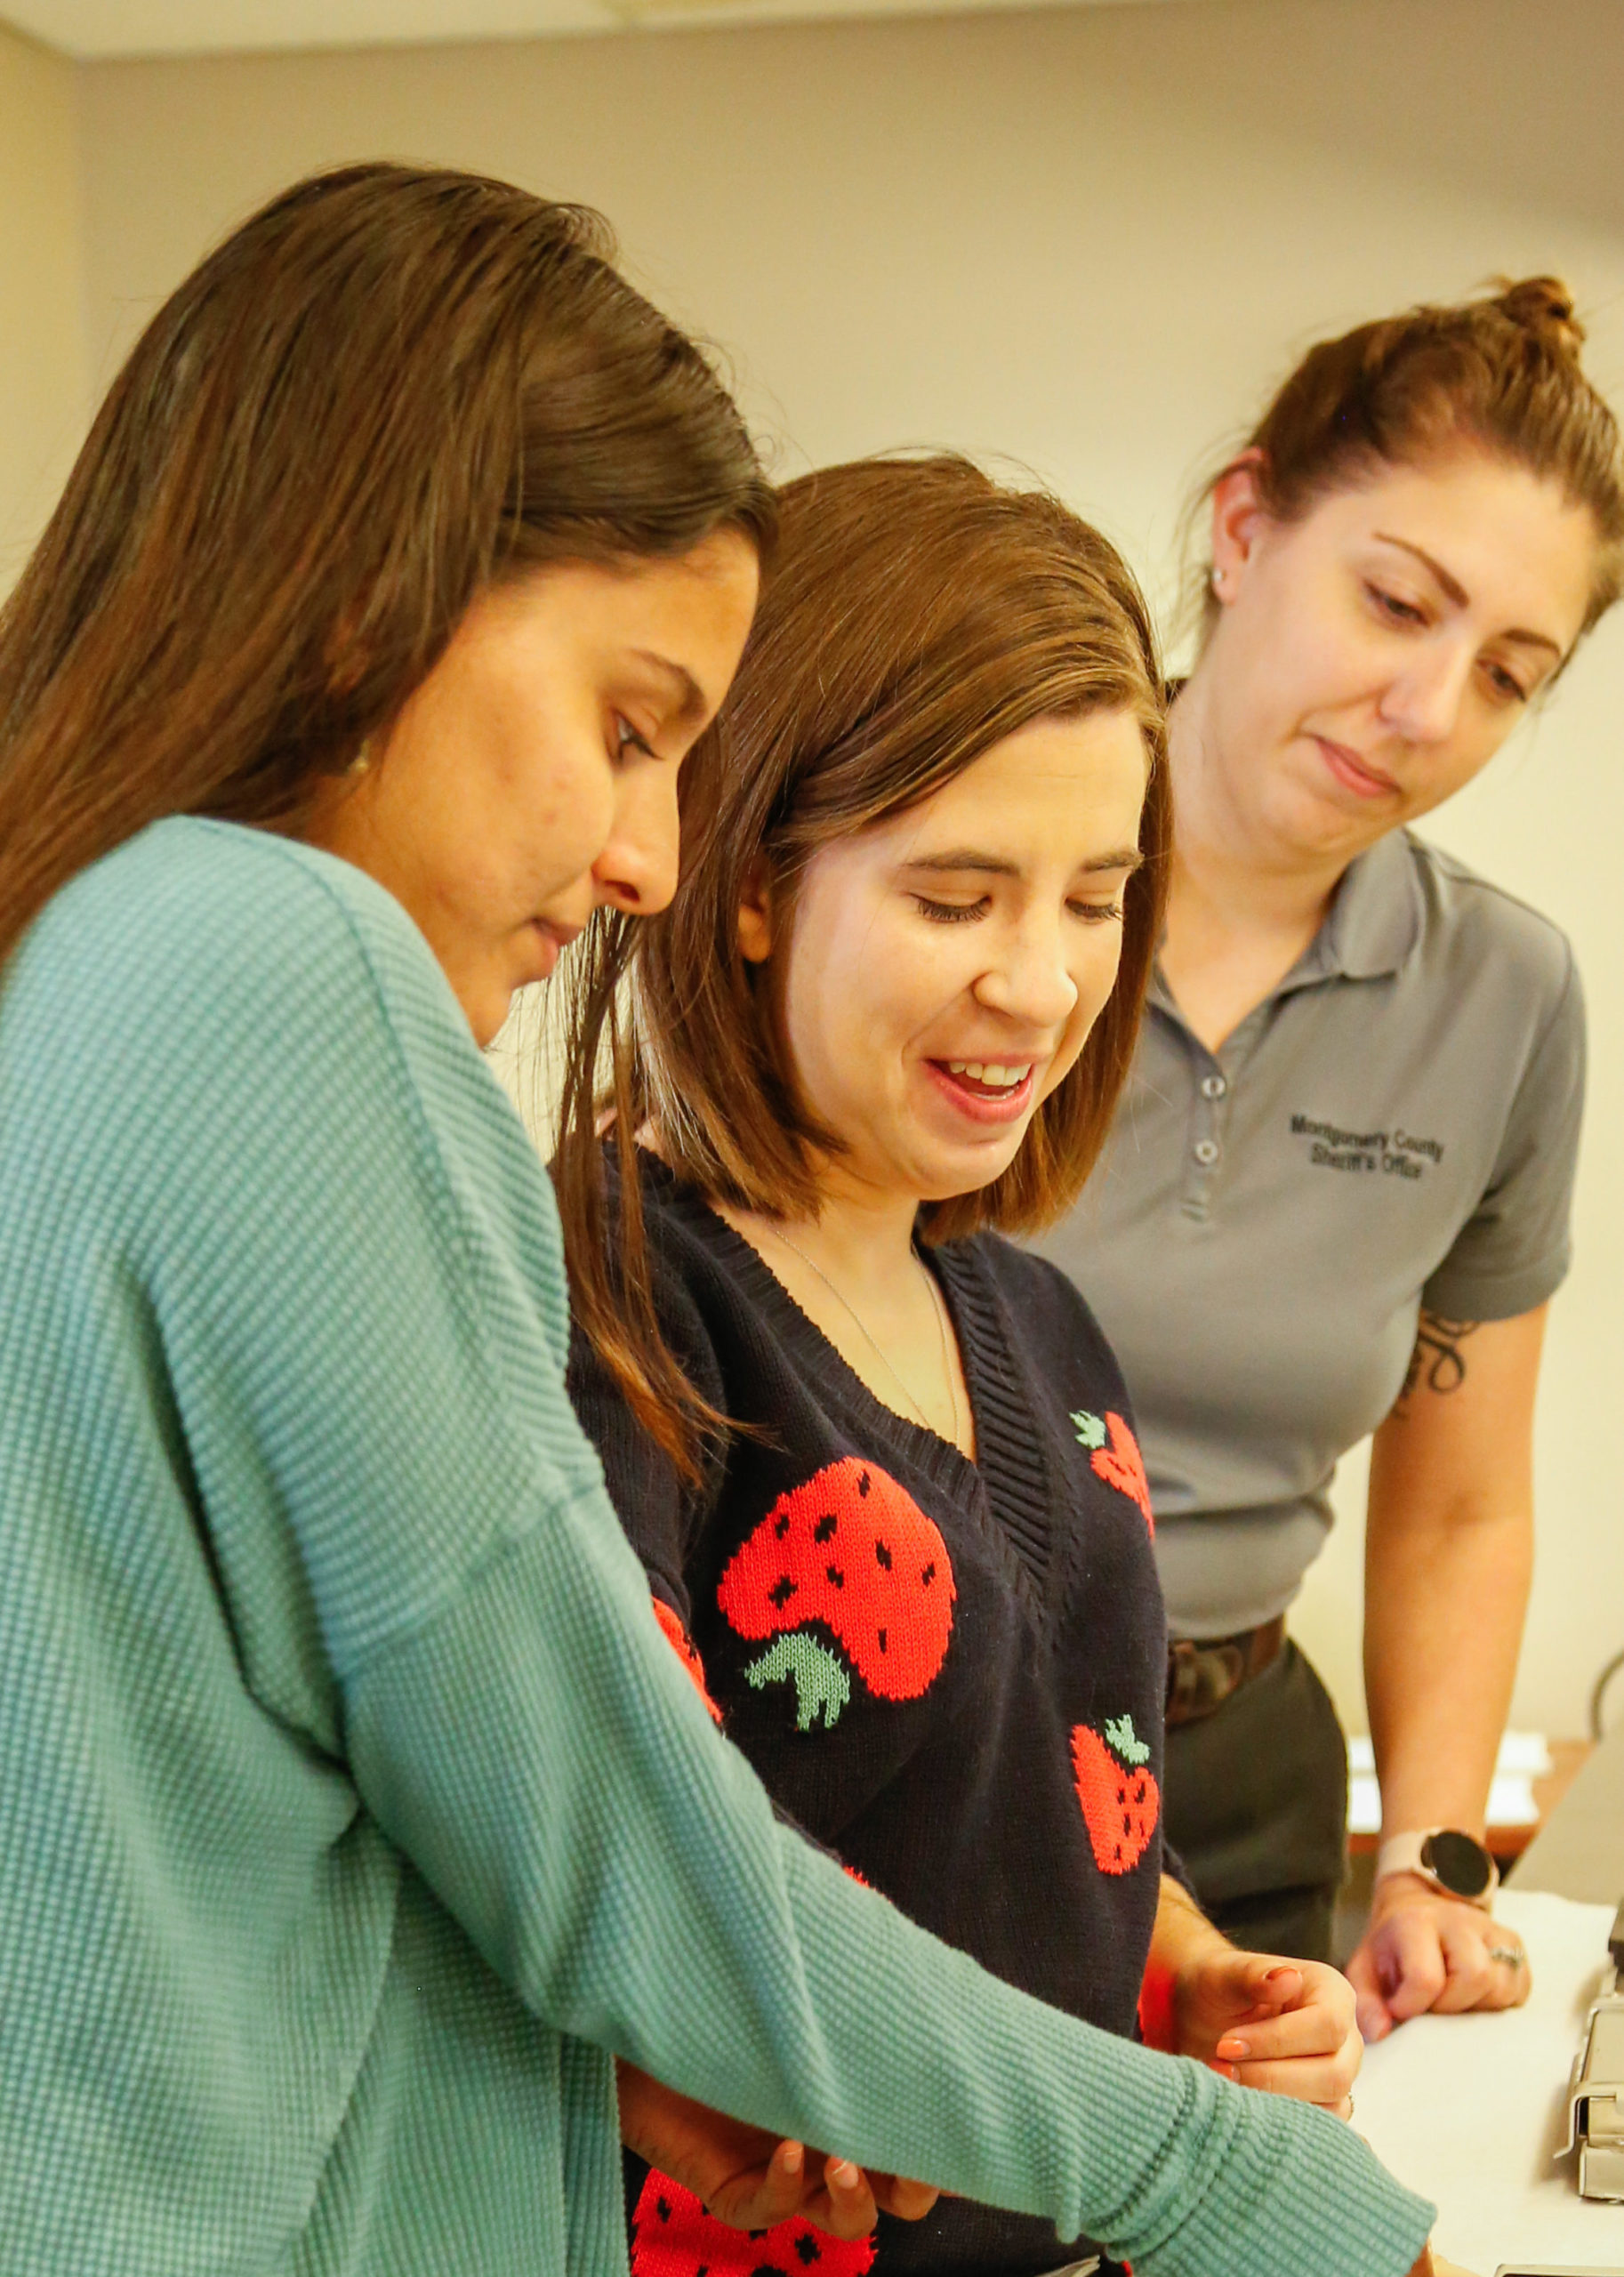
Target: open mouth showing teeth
[(989, 1077)]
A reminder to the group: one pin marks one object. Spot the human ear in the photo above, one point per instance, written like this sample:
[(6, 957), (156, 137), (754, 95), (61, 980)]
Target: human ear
[(1238, 517), (755, 924)]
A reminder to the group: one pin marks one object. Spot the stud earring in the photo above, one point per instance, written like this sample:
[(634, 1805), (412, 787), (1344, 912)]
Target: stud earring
[(1217, 578), (362, 760)]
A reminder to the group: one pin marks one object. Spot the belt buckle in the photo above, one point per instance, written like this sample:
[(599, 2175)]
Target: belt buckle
[(1201, 1678)]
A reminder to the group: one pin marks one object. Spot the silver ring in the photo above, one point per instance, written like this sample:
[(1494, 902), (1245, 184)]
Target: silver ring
[(1512, 1955)]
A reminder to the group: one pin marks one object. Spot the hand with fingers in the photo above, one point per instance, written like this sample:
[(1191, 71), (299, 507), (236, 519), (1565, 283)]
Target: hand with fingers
[(1287, 2026), (745, 2176), (1431, 2265), (1424, 1951)]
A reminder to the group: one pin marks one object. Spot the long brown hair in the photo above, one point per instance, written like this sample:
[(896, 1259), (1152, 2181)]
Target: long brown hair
[(1502, 373), (387, 389), (917, 615)]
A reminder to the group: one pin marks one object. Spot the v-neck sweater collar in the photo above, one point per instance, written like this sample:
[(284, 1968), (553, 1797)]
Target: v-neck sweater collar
[(1009, 1474)]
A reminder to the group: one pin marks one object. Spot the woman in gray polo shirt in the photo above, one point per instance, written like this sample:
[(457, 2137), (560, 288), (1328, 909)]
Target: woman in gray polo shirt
[(1336, 1199)]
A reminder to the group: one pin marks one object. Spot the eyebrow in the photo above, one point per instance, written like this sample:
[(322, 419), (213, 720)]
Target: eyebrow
[(962, 859), (1456, 591), (692, 702)]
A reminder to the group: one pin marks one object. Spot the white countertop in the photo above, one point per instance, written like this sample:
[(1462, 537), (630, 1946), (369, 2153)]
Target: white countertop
[(1472, 2110)]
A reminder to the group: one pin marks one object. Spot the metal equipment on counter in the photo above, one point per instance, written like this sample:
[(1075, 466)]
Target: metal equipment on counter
[(1596, 2093)]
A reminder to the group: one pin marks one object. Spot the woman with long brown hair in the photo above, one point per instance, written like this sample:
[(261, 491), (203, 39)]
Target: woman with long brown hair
[(894, 1517), (355, 1813)]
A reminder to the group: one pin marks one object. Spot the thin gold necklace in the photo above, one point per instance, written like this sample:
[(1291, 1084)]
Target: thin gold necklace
[(938, 1306)]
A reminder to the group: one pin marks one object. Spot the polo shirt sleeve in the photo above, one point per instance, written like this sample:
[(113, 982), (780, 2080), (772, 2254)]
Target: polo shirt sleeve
[(1512, 1252)]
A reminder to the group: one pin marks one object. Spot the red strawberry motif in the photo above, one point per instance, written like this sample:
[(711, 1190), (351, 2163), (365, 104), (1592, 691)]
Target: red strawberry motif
[(1121, 1464), (1119, 1805), (853, 1550), (674, 2236)]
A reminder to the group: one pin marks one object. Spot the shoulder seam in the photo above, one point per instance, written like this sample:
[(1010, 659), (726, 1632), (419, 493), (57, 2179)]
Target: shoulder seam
[(451, 1220), (1462, 873)]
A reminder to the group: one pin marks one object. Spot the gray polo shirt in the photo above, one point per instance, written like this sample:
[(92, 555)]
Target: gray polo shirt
[(1395, 1126)]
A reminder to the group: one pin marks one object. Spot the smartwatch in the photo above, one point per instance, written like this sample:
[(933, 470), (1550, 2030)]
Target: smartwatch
[(1454, 1863)]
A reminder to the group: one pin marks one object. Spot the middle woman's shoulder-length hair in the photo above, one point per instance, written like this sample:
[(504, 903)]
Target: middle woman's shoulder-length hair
[(916, 615)]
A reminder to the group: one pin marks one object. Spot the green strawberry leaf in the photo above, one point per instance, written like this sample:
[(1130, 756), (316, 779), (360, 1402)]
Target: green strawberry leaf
[(1090, 1428), (1125, 1740), (822, 1685)]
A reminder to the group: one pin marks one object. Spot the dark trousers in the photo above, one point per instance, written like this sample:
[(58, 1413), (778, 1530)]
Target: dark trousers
[(1256, 1809)]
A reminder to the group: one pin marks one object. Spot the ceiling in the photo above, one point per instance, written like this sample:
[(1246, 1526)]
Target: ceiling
[(99, 29)]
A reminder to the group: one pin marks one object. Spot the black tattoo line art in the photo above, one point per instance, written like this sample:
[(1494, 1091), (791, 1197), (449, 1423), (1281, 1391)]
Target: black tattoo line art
[(1437, 1362)]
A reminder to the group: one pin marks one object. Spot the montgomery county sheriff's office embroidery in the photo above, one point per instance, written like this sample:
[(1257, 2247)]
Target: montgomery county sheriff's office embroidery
[(1392, 1130), (1398, 1153)]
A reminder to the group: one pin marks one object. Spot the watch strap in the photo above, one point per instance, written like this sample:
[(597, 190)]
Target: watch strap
[(1406, 1853)]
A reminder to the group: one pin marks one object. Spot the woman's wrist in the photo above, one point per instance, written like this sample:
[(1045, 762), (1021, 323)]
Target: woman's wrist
[(1182, 1941), (1183, 1934)]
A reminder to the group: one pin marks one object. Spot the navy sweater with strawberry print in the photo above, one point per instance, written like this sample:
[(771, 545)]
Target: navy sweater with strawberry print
[(951, 1674)]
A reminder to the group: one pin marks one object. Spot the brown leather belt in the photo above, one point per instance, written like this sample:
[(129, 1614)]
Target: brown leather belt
[(1201, 1674)]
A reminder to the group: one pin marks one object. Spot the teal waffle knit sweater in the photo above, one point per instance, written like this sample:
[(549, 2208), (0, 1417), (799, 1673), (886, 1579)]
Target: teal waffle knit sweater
[(352, 1805)]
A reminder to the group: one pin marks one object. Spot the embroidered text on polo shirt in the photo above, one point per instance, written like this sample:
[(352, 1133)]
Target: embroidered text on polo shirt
[(1397, 1154)]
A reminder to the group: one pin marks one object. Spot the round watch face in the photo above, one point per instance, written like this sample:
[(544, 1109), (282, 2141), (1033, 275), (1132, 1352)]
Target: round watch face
[(1462, 1865)]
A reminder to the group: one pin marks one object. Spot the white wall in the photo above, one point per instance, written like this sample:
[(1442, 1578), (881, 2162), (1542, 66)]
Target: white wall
[(42, 339), (1089, 240)]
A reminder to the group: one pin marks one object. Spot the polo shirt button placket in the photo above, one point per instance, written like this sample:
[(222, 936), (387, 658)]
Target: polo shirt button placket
[(1206, 1144)]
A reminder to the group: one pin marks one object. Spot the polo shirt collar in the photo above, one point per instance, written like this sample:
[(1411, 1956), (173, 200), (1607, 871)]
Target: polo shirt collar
[(1374, 923), (1375, 919)]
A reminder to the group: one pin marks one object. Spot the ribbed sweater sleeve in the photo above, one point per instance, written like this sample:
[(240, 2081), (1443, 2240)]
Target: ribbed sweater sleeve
[(364, 1301)]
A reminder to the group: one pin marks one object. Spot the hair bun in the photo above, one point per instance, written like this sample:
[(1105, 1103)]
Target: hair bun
[(1544, 306)]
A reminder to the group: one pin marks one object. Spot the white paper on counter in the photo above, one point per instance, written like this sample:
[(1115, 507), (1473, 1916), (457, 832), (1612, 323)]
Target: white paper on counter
[(1472, 2110), (1523, 1757), (1511, 1801)]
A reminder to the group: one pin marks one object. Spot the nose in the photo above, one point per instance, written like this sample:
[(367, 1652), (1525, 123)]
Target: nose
[(1030, 980), (1422, 705), (636, 871)]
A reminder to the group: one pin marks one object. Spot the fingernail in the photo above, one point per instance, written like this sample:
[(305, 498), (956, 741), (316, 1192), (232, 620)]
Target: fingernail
[(843, 2175), (1284, 1970), (1234, 2049), (790, 2155)]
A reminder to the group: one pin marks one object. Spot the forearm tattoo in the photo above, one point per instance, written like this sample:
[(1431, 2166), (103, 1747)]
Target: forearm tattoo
[(1437, 1362)]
